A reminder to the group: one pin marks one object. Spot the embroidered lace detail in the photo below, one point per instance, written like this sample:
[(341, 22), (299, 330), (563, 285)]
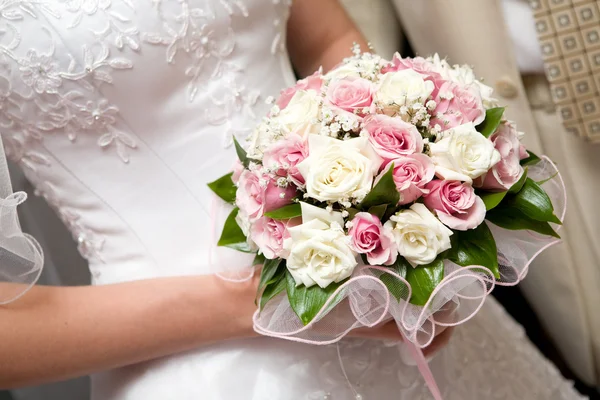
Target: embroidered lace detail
[(56, 93), (207, 49), (60, 89), (118, 28), (278, 44), (235, 5), (191, 30), (233, 111), (60, 85), (88, 244)]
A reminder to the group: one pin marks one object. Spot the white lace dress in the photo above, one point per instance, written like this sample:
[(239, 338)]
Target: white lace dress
[(120, 112)]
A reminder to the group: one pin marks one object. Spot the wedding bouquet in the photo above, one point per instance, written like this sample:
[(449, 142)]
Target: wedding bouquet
[(385, 189)]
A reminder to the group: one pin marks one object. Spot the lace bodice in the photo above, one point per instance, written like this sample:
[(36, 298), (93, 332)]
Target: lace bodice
[(120, 112), (112, 104)]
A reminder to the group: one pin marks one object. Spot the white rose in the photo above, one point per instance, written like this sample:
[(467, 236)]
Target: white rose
[(344, 71), (463, 154), (400, 88), (440, 65), (419, 235), (464, 75), (367, 68), (319, 251), (301, 114), (337, 170), (243, 221), (262, 136)]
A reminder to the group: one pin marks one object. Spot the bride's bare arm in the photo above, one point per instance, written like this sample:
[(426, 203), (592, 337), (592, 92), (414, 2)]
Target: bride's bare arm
[(54, 333), (320, 33)]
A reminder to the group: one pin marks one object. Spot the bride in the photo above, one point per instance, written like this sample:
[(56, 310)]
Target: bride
[(120, 112)]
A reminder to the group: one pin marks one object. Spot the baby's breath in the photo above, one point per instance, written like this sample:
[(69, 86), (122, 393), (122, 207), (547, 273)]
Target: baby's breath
[(282, 182)]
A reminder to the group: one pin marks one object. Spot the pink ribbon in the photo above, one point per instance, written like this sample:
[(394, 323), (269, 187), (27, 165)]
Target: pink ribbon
[(423, 366), (364, 300)]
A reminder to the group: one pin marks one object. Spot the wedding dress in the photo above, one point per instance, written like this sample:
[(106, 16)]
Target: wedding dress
[(120, 112)]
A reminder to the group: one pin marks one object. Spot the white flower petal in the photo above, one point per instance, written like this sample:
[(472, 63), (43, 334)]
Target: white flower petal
[(310, 213)]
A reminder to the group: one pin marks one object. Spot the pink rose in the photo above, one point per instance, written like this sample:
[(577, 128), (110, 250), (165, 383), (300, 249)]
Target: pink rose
[(369, 237), (455, 203), (238, 168), (411, 174), (350, 94), (313, 82), (269, 235), (509, 170), (418, 64), (258, 193), (285, 155), (457, 105), (392, 137)]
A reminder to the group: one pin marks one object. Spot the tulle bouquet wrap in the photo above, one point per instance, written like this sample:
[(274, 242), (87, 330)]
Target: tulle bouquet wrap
[(386, 190)]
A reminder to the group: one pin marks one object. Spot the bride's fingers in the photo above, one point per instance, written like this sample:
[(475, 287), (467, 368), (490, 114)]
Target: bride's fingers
[(440, 341), (439, 329), (388, 331)]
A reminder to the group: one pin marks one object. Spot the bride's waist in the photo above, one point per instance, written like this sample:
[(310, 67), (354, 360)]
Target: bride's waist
[(191, 250), (163, 250)]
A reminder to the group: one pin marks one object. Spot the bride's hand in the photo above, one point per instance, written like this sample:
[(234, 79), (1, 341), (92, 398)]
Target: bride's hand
[(55, 333), (240, 298), (389, 331)]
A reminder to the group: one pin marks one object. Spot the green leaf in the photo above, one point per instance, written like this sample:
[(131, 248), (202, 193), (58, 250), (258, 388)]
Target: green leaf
[(531, 160), (338, 298), (286, 212), (491, 199), (424, 279), (352, 212), (268, 271), (224, 188), (514, 219), (232, 235), (547, 179), (475, 247), (533, 201), (364, 259), (401, 266), (241, 153), (258, 260), (384, 192), (519, 184), (493, 117), (390, 211), (307, 302), (378, 211), (277, 285)]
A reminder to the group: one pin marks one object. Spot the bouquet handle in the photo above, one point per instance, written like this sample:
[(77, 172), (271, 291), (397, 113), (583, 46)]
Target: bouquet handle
[(416, 354), (423, 366)]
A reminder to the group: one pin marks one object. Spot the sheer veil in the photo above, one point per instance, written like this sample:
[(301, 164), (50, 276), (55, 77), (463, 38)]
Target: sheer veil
[(21, 257)]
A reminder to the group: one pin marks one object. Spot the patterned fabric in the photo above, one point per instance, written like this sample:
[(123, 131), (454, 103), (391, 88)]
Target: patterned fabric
[(569, 34)]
